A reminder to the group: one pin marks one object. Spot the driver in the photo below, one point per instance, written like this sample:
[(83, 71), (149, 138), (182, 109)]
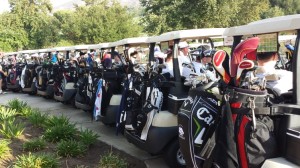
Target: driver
[(278, 80)]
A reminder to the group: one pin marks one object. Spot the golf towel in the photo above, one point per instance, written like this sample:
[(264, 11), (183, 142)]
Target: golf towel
[(97, 108)]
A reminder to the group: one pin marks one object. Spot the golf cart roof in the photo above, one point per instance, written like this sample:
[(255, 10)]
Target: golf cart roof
[(130, 41), (77, 47), (188, 34), (29, 51), (272, 25), (45, 50), (98, 46), (10, 53), (60, 49)]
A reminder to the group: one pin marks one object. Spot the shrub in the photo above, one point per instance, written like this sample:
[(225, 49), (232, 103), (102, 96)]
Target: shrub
[(55, 121), (70, 148), (112, 160), (6, 113), (11, 129), (87, 137), (60, 132), (37, 118), (17, 105), (36, 161), (34, 145), (26, 111), (4, 148)]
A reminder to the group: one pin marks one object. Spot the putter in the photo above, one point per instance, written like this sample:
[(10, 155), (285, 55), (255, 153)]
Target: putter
[(245, 65), (220, 59)]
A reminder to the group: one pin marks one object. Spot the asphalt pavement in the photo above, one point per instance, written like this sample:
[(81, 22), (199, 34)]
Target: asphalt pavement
[(83, 120)]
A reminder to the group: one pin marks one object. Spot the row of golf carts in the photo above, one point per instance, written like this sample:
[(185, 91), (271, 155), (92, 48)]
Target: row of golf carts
[(181, 118)]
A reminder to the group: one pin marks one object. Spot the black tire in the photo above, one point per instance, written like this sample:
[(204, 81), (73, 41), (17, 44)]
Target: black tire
[(173, 155)]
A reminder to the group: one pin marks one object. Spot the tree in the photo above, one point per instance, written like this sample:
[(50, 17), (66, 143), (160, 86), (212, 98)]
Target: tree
[(273, 12), (98, 21), (12, 35), (165, 15), (288, 6), (36, 21)]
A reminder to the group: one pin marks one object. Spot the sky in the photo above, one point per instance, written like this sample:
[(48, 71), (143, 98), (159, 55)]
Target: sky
[(4, 6)]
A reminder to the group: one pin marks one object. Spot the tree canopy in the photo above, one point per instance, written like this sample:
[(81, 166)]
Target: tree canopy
[(32, 24)]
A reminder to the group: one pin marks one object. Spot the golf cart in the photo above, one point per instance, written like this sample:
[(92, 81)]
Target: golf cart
[(12, 72), (44, 73), (117, 77), (66, 77), (28, 76), (88, 78), (255, 125), (157, 127)]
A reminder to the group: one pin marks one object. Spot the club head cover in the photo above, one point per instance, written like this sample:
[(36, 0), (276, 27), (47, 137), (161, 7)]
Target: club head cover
[(247, 47), (221, 61), (244, 65)]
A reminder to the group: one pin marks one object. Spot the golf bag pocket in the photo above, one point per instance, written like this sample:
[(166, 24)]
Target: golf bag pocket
[(197, 122), (12, 77), (253, 127), (255, 146)]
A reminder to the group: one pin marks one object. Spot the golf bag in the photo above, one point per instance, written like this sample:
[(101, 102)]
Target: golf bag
[(198, 119), (28, 76), (246, 136), (42, 78), (12, 76)]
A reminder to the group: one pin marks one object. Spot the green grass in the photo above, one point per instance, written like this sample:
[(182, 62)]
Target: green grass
[(111, 160), (4, 148), (34, 145), (10, 129), (36, 161), (87, 137), (60, 132), (71, 148)]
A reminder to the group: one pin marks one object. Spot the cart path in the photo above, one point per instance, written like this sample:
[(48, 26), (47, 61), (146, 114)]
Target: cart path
[(83, 120)]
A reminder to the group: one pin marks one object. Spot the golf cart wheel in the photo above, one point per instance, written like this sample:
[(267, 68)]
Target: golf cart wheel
[(173, 156)]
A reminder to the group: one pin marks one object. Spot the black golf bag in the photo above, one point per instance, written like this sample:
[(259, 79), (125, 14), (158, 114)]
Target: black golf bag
[(198, 119), (42, 77)]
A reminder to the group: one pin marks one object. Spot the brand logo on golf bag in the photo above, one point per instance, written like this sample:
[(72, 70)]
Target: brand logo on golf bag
[(189, 100), (181, 132), (198, 139), (204, 114), (213, 101)]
